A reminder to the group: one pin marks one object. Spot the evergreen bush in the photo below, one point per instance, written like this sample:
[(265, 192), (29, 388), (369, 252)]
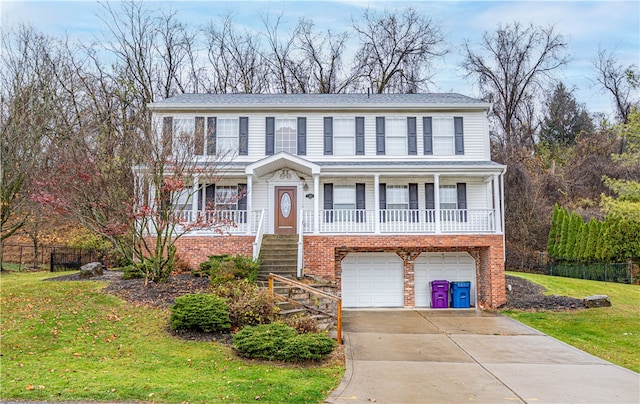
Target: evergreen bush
[(224, 268), (278, 341), (200, 312)]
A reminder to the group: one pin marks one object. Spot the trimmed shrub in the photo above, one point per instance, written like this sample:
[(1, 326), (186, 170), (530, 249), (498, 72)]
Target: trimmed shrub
[(263, 341), (223, 268), (200, 311), (278, 341), (248, 304), (307, 347), (134, 271)]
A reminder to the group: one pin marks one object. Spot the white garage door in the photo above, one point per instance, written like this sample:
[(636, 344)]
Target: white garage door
[(372, 280), (452, 267)]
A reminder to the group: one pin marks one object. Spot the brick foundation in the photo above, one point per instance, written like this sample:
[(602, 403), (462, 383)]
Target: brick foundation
[(323, 256)]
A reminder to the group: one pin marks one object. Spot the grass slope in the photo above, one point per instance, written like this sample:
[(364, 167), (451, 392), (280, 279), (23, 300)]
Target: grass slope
[(611, 333), (69, 341)]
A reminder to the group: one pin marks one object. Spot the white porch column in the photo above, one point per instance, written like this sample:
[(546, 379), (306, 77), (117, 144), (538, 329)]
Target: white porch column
[(249, 204), (316, 203), (496, 203), (436, 201), (194, 197), (376, 203)]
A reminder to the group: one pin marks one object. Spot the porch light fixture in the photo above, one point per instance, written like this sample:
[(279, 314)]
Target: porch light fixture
[(305, 187)]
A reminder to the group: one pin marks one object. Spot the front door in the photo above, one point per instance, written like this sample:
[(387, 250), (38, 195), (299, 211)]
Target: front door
[(285, 210)]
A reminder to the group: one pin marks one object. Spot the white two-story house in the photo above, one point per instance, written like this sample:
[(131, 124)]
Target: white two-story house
[(382, 193)]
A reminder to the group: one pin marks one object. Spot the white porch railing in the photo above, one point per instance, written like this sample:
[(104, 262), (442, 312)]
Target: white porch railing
[(402, 221), (226, 221), (259, 233)]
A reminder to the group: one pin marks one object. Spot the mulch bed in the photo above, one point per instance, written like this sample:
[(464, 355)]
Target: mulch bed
[(523, 295)]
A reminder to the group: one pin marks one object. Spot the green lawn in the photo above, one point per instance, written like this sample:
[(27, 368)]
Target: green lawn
[(69, 341), (611, 333)]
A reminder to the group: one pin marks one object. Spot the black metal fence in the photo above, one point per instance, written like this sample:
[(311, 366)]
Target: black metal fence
[(607, 272), (54, 258)]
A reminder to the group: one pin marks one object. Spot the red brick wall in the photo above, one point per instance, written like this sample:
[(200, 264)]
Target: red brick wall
[(196, 249), (323, 256)]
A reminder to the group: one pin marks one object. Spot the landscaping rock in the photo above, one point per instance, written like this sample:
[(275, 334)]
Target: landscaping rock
[(597, 301), (91, 269)]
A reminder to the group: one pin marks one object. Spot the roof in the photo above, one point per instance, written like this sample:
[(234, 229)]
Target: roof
[(317, 101)]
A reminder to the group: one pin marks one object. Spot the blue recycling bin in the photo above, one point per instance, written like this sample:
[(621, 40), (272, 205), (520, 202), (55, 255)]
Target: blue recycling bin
[(460, 295)]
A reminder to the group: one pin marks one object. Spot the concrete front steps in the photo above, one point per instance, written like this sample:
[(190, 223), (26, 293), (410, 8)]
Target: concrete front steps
[(278, 255)]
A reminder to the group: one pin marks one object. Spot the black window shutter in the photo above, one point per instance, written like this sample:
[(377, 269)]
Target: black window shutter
[(211, 135), (198, 141), (361, 203), (242, 203), (412, 141), (359, 135), (302, 136), (427, 134), (413, 201), (462, 200), (200, 190), (167, 134), (210, 197), (459, 135), (243, 147), (380, 150), (328, 136), (430, 201), (270, 129), (383, 201), (328, 203)]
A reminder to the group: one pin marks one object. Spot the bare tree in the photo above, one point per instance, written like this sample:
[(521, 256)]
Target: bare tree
[(287, 74), (509, 66), (236, 59), (28, 121), (619, 81), (324, 55), (396, 50)]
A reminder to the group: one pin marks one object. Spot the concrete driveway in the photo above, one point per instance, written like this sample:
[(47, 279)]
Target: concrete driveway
[(455, 356)]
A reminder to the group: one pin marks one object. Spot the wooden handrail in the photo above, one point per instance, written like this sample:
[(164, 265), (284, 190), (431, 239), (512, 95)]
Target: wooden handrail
[(315, 291)]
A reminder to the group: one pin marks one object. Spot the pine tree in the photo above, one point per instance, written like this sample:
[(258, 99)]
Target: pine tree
[(589, 253), (572, 235), (581, 242), (554, 232), (564, 235)]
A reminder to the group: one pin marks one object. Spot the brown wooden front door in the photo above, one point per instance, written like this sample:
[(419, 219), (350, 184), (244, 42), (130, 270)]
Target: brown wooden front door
[(285, 210)]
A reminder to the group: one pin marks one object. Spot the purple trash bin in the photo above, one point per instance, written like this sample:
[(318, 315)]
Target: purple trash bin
[(439, 294)]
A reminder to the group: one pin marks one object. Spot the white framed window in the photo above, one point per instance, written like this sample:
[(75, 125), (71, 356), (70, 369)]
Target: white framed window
[(286, 135), (448, 197), (226, 197), (397, 197), (344, 197), (227, 135), (344, 136), (395, 136), (183, 135), (443, 136)]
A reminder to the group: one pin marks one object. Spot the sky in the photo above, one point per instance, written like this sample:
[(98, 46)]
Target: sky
[(586, 25)]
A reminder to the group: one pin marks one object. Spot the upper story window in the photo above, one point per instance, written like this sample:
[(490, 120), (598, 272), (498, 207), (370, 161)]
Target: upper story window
[(344, 137), (443, 136), (183, 135), (227, 135), (286, 135), (396, 136)]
